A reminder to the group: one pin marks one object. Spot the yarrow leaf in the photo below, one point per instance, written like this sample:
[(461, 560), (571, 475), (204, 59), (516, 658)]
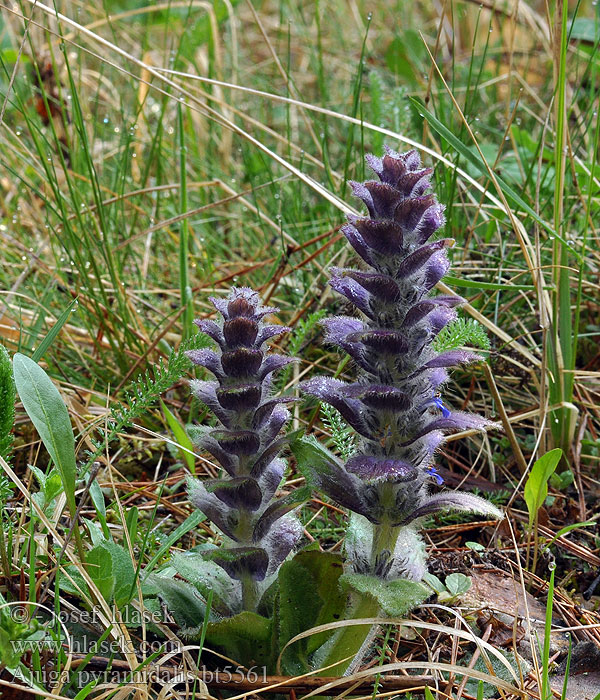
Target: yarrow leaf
[(462, 332)]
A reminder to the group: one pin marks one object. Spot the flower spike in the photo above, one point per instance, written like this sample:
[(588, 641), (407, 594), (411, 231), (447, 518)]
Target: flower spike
[(261, 532), (394, 405)]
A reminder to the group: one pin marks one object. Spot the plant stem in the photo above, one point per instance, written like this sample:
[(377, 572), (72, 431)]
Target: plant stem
[(348, 641), (562, 358), (385, 534), (249, 593)]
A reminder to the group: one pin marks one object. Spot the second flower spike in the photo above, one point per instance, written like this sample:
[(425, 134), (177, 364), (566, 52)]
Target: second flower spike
[(260, 530)]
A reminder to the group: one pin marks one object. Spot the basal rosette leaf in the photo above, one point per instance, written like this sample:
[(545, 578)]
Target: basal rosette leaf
[(395, 598), (309, 596)]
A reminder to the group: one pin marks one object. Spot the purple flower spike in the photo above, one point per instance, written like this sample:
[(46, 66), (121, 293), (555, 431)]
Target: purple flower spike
[(246, 444), (394, 404)]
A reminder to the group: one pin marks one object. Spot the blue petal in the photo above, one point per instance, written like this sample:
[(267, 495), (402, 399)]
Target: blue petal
[(432, 471)]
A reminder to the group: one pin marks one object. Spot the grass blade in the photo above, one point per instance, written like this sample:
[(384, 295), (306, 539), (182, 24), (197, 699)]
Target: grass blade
[(53, 332), (473, 158)]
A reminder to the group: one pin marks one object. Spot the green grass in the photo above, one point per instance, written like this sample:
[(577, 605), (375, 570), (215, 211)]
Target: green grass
[(192, 149)]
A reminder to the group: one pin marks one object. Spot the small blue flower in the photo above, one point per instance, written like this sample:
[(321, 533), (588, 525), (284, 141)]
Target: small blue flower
[(432, 471), (438, 402)]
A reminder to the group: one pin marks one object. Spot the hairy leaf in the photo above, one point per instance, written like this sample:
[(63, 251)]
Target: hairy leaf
[(181, 599), (111, 569), (395, 598), (49, 414), (244, 636), (309, 596)]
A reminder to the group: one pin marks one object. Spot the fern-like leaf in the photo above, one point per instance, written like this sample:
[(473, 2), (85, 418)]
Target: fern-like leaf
[(143, 392), (342, 435), (461, 332)]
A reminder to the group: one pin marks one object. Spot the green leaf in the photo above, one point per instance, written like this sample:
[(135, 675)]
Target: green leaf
[(48, 413), (181, 437), (457, 584), (74, 583), (461, 332), (98, 500), (53, 486), (573, 526), (326, 569), (298, 610), (405, 55), (536, 488), (312, 457), (100, 569), (309, 595), (85, 691), (182, 600), (50, 484), (395, 598), (96, 532), (53, 332), (433, 581), (584, 29), (207, 576), (131, 521), (342, 435), (245, 637), (475, 546), (7, 403), (111, 569), (476, 284)]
